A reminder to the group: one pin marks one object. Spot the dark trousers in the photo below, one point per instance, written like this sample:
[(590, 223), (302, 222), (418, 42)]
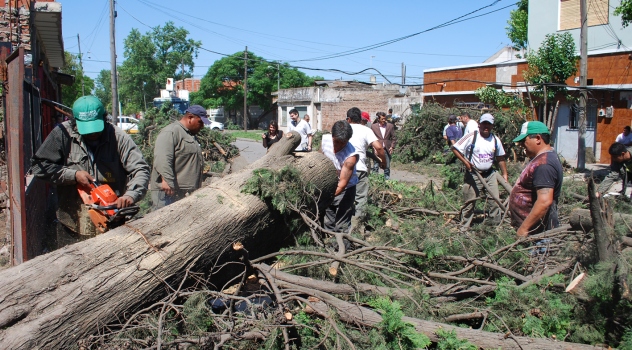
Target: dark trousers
[(339, 212), (387, 170)]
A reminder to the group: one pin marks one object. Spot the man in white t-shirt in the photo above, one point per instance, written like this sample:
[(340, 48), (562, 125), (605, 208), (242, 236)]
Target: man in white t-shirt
[(625, 137), (477, 151), (340, 151), (302, 127), (470, 124), (362, 139)]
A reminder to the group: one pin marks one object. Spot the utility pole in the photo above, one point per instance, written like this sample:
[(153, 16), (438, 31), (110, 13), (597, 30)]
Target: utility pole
[(246, 89), (114, 75), (83, 89), (403, 74), (184, 87), (583, 71)]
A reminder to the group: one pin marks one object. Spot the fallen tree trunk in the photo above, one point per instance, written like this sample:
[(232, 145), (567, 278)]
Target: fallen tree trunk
[(580, 219), (58, 298), (363, 316)]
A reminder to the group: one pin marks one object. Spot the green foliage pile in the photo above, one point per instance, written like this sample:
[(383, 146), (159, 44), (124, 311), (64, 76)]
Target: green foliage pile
[(421, 137), (284, 189), (397, 333)]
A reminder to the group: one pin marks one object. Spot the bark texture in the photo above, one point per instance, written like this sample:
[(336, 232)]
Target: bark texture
[(57, 298)]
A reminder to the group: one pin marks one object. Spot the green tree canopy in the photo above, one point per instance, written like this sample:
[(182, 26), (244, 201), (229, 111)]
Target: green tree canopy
[(554, 62), (625, 11), (103, 88), (518, 25), (150, 59), (71, 93), (222, 84)]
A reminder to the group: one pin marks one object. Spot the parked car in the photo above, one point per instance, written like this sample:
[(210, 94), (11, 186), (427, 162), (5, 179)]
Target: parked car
[(213, 125), (128, 124)]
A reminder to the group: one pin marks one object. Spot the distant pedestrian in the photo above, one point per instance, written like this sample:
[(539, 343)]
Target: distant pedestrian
[(385, 133), (302, 128), (625, 137), (273, 135), (477, 151), (453, 132), (620, 167), (533, 200), (363, 138), (178, 161), (340, 151), (470, 124)]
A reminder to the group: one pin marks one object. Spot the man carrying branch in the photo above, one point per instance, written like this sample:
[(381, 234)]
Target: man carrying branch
[(477, 151)]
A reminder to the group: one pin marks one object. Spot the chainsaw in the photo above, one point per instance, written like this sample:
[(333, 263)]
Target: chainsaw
[(101, 203)]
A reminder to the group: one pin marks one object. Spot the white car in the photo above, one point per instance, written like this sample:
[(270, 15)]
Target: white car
[(128, 124), (213, 125)]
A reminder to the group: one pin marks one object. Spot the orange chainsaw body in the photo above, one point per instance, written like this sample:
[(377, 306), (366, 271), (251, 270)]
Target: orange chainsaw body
[(103, 196)]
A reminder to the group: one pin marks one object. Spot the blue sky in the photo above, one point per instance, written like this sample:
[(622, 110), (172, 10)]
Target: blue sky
[(299, 31)]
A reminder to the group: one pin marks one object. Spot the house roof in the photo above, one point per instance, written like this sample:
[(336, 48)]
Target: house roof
[(47, 21)]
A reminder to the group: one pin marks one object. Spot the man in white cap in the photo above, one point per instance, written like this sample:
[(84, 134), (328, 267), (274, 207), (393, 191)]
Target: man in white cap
[(477, 151), (83, 151)]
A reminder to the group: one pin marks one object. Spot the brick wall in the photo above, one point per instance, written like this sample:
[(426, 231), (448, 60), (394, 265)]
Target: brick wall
[(486, 74), (371, 101), (14, 24), (192, 85)]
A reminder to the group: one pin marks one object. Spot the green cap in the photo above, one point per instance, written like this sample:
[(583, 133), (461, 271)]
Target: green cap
[(89, 114), (530, 128)]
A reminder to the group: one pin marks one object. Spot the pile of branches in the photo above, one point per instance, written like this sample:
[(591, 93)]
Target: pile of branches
[(420, 138), (216, 146), (413, 278)]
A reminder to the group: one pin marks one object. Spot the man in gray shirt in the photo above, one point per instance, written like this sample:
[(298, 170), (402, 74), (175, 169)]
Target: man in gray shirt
[(178, 160)]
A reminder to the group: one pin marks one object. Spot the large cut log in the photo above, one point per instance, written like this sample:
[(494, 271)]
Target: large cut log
[(580, 219), (55, 299)]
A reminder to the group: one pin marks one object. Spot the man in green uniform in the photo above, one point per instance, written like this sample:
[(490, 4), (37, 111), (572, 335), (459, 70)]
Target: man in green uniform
[(178, 161)]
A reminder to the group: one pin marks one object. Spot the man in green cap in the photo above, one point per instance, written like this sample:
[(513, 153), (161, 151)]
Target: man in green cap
[(87, 150), (533, 200)]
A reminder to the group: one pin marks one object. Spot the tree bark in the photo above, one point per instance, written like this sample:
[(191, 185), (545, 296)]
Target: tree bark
[(58, 298), (602, 222)]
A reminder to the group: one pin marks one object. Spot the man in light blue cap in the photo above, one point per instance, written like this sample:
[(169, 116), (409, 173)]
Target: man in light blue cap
[(87, 150)]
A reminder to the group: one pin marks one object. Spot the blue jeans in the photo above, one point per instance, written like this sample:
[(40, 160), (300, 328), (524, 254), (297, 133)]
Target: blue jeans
[(387, 170)]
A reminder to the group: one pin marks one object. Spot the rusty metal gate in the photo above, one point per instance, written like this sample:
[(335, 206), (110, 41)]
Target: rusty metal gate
[(27, 198)]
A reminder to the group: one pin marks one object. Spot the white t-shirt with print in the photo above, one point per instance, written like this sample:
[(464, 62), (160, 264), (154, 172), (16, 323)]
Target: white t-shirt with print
[(303, 129), (327, 146), (362, 139), (484, 150)]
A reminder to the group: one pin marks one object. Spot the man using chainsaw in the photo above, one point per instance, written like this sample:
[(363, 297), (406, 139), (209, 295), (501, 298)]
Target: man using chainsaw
[(86, 156), (178, 161)]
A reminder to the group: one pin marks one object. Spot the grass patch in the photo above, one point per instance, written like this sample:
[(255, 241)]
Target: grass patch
[(250, 134)]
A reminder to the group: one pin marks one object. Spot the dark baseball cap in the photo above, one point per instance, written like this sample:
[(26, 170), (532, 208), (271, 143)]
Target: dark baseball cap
[(197, 110)]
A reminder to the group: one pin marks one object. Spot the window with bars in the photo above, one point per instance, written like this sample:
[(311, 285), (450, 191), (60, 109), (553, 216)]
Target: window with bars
[(598, 12), (591, 115)]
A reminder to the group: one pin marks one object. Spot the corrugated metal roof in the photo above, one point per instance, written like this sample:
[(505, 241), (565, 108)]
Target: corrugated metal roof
[(47, 21)]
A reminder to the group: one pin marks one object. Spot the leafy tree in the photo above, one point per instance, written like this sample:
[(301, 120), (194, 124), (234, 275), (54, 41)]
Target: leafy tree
[(103, 88), (71, 93), (553, 63), (222, 84), (518, 25), (150, 59), (625, 11)]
